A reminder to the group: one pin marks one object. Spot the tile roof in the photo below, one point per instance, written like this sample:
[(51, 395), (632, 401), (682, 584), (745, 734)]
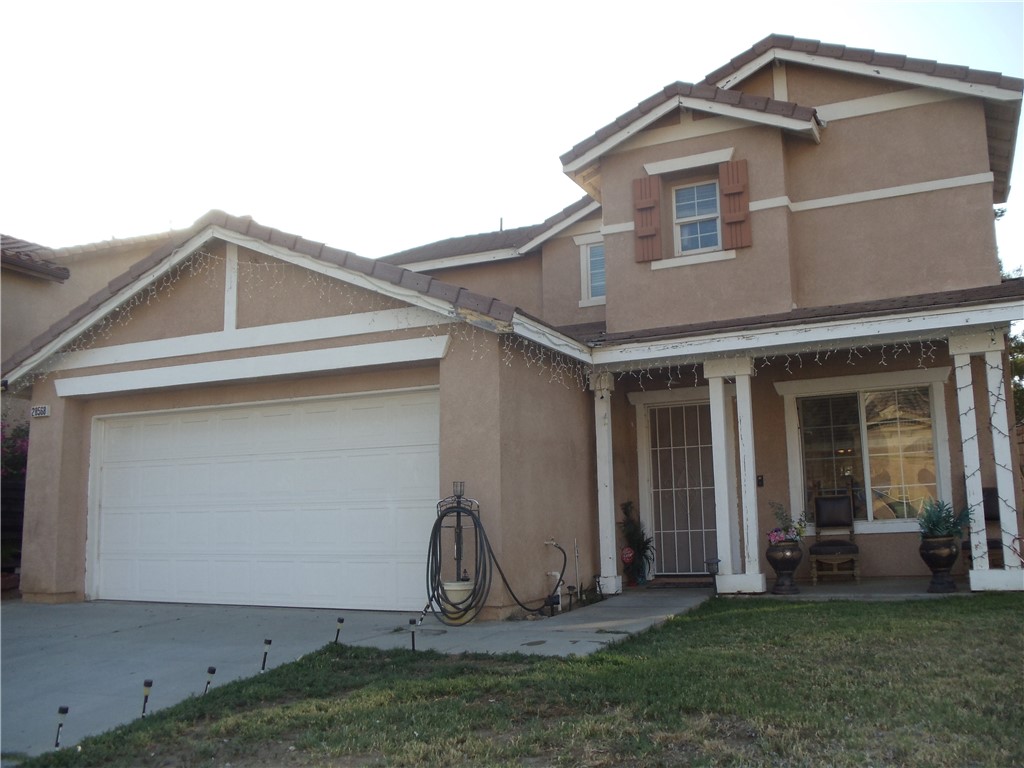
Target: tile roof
[(864, 56), (701, 91), (485, 241), (460, 298), (1001, 117), (31, 259)]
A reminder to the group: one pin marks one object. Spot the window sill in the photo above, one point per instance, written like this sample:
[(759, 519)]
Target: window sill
[(600, 301), (699, 258), (878, 526)]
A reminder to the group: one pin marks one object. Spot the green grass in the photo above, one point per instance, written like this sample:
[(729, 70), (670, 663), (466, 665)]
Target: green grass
[(738, 682)]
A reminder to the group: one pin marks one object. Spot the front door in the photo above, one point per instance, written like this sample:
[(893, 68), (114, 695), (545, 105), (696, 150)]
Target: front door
[(682, 487)]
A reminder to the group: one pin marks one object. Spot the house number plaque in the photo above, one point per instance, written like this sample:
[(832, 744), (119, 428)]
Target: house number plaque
[(40, 410)]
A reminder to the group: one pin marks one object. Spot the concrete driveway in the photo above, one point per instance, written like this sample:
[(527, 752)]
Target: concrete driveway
[(93, 657)]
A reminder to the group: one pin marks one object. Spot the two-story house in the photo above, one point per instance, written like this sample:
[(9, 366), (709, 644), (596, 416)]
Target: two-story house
[(781, 284)]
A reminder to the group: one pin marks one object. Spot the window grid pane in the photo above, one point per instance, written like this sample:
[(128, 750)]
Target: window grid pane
[(596, 270)]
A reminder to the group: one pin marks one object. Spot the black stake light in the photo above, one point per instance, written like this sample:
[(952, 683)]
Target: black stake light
[(210, 672), (61, 713), (337, 633), (147, 688), (712, 563), (266, 650), (412, 629)]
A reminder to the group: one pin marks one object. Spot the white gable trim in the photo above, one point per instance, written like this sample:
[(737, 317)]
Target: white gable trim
[(748, 116), (691, 161), (194, 243), (884, 102), (882, 194), (868, 70), (463, 260), (232, 339), (502, 254), (314, 361)]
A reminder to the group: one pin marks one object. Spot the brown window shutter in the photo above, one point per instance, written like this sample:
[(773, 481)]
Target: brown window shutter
[(647, 217), (734, 189)]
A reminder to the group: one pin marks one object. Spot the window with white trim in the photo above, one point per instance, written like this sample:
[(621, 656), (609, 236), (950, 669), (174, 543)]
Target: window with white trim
[(592, 269), (696, 218), (879, 443)]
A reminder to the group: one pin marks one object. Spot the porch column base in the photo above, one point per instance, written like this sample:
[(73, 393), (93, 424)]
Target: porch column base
[(611, 585), (742, 583), (997, 580)]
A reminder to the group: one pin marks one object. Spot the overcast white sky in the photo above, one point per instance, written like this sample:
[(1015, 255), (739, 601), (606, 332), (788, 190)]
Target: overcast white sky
[(377, 126)]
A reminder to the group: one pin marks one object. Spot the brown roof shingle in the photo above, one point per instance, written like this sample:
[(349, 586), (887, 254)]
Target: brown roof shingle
[(30, 259), (864, 56)]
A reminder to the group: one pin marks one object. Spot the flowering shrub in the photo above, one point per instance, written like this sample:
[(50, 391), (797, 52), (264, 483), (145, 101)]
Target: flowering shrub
[(788, 529), (14, 440)]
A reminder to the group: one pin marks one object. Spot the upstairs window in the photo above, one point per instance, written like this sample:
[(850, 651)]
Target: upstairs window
[(696, 218), (595, 270)]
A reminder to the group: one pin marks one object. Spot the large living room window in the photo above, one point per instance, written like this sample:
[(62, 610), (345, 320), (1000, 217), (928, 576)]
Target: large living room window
[(880, 437), (895, 425), (696, 218)]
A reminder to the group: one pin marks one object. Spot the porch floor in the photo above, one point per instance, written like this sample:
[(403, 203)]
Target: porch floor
[(835, 588)]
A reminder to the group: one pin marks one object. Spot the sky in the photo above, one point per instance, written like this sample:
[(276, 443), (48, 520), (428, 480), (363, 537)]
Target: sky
[(378, 126)]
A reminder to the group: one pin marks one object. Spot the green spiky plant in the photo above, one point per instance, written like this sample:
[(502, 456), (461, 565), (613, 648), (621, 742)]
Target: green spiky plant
[(637, 540), (937, 518)]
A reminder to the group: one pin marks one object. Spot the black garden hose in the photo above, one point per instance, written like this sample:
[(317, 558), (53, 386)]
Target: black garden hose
[(454, 611)]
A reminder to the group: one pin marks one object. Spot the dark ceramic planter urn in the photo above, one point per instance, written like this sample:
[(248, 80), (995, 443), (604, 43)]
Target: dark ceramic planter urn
[(784, 558), (939, 554)]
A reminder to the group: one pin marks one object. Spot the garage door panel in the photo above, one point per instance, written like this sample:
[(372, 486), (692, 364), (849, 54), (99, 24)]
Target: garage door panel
[(323, 503)]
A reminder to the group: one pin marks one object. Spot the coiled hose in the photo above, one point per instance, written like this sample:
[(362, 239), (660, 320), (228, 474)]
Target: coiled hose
[(454, 610)]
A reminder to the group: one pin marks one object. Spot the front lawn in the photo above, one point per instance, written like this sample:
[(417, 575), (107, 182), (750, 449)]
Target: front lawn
[(737, 682)]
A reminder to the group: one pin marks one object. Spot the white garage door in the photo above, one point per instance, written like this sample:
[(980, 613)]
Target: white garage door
[(318, 503)]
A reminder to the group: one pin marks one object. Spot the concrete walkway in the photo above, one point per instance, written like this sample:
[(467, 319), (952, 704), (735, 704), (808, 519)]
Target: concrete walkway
[(93, 657)]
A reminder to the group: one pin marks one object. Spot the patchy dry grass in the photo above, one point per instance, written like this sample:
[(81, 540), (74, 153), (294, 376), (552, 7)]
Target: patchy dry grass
[(745, 682)]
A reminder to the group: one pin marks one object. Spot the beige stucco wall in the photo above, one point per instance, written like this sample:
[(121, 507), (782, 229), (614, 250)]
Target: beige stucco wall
[(57, 497), (515, 281), (30, 305), (524, 447), (563, 276)]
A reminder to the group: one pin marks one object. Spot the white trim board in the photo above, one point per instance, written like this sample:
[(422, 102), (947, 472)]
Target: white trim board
[(314, 361), (257, 336), (808, 337)]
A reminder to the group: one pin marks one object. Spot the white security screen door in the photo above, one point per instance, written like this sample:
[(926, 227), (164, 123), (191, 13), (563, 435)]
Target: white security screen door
[(682, 487)]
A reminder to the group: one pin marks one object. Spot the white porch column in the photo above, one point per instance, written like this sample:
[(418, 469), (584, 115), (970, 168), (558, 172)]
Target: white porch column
[(726, 510), (1012, 575), (991, 343), (603, 384), (751, 579), (972, 457)]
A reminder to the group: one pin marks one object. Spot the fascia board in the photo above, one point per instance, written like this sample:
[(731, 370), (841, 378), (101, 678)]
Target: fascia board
[(547, 234), (548, 337), (112, 303), (811, 336), (620, 136), (868, 70), (462, 260), (753, 116)]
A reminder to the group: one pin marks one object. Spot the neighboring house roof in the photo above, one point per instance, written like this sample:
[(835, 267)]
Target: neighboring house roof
[(30, 259), (514, 242), (1002, 94)]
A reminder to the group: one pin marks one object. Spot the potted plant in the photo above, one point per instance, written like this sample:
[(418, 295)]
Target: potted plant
[(638, 553), (784, 553), (941, 531)]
